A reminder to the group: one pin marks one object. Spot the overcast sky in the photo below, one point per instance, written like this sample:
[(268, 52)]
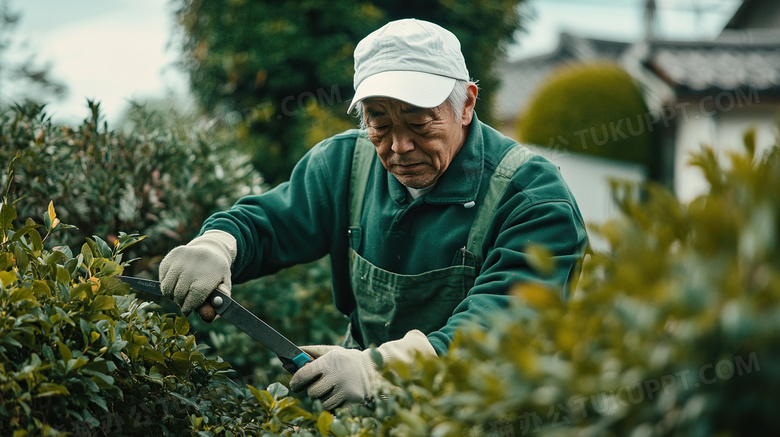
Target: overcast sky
[(118, 50)]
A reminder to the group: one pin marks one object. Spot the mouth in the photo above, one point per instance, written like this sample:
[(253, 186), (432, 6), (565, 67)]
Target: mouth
[(407, 168)]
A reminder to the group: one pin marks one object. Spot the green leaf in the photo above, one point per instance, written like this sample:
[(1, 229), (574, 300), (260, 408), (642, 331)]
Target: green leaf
[(182, 326), (20, 294), (153, 355), (103, 248), (63, 276), (277, 390), (86, 252), (262, 396), (7, 217), (64, 351), (103, 302), (45, 389)]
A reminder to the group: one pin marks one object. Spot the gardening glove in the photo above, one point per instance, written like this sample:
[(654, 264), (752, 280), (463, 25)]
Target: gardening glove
[(343, 377), (189, 273)]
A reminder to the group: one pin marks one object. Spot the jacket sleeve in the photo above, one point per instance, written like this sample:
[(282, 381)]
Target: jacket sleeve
[(538, 208), (295, 222)]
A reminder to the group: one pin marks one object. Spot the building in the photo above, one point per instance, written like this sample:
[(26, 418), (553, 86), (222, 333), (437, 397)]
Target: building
[(697, 92)]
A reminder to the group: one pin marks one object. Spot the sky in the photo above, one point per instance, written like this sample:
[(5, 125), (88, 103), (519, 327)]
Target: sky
[(120, 50)]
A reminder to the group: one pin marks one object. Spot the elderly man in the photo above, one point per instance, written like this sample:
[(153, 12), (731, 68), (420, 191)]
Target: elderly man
[(426, 212)]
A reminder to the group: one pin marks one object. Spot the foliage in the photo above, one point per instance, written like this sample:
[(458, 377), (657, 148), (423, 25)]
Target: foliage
[(22, 79), (275, 66), (673, 333), (594, 109), (80, 355), (161, 179)]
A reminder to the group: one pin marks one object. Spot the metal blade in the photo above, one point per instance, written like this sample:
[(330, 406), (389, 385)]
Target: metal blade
[(292, 357), (145, 285), (246, 321)]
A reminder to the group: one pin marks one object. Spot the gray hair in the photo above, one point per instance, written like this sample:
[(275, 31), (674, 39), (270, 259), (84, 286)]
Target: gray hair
[(456, 100)]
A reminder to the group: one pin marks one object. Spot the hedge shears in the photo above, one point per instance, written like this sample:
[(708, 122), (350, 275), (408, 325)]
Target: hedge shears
[(292, 357)]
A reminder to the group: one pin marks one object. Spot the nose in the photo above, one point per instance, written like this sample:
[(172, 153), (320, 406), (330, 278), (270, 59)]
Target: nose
[(402, 142)]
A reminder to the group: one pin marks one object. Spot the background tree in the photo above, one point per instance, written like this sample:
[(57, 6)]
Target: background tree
[(21, 76), (283, 67)]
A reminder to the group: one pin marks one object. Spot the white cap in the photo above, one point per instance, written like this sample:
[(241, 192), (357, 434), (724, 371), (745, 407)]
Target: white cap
[(410, 60)]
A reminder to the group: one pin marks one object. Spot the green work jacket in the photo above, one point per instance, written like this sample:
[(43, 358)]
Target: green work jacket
[(307, 218)]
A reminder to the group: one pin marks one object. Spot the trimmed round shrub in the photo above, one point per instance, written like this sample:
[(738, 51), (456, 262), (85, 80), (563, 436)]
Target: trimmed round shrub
[(595, 109)]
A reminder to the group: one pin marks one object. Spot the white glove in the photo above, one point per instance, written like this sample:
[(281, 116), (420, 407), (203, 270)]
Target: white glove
[(189, 273), (342, 377)]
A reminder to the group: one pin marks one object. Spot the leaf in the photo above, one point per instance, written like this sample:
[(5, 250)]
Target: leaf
[(262, 396), (86, 252), (7, 217), (182, 326), (64, 351), (277, 390), (153, 355), (324, 422), (52, 213), (7, 278), (540, 258), (46, 389), (105, 251)]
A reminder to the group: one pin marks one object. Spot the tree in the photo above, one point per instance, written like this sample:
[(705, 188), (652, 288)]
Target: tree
[(276, 68), (25, 74)]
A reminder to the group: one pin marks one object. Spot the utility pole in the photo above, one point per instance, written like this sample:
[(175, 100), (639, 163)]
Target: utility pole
[(650, 19)]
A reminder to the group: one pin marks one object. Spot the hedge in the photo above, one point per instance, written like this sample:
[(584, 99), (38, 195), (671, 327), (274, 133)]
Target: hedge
[(673, 332)]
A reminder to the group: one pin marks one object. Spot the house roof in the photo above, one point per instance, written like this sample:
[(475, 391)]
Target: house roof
[(756, 14), (727, 63)]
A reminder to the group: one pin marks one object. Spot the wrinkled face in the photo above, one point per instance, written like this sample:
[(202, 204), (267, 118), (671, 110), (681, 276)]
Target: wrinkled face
[(415, 144)]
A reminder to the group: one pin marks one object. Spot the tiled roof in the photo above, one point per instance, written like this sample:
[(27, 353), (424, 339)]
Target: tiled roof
[(699, 67)]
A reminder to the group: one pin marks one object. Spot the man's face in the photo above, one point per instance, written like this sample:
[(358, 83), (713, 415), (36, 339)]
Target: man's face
[(415, 144)]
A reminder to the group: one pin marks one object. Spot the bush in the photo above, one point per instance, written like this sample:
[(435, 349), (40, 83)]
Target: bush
[(594, 109), (162, 179), (675, 331), (80, 355), (161, 176)]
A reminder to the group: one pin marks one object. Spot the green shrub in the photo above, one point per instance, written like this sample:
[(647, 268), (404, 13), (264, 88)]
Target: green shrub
[(594, 109), (674, 332), (161, 176), (80, 355), (161, 179)]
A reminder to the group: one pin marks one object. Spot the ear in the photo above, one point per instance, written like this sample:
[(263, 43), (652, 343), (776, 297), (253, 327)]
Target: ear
[(468, 107)]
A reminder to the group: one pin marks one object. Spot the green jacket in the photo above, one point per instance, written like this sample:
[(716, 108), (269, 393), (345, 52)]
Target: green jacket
[(308, 217)]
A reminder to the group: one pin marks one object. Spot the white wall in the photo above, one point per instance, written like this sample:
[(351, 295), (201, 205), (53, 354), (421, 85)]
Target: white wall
[(588, 178), (724, 132)]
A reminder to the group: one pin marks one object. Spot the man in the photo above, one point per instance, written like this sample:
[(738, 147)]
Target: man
[(426, 213)]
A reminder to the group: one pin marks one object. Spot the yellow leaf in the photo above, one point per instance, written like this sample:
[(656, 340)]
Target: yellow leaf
[(52, 214), (537, 296), (324, 422), (540, 258), (7, 278)]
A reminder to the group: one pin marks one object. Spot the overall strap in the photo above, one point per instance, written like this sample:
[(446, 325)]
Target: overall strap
[(499, 181), (362, 161)]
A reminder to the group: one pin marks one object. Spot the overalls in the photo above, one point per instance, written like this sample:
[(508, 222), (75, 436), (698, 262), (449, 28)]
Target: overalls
[(388, 305)]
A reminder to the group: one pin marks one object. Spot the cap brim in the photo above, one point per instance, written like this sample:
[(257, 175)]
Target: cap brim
[(424, 90)]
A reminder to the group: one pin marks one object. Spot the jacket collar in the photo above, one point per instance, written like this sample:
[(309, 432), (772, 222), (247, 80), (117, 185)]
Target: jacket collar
[(461, 181)]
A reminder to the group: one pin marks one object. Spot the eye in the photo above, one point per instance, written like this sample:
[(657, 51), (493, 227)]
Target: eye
[(419, 126)]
